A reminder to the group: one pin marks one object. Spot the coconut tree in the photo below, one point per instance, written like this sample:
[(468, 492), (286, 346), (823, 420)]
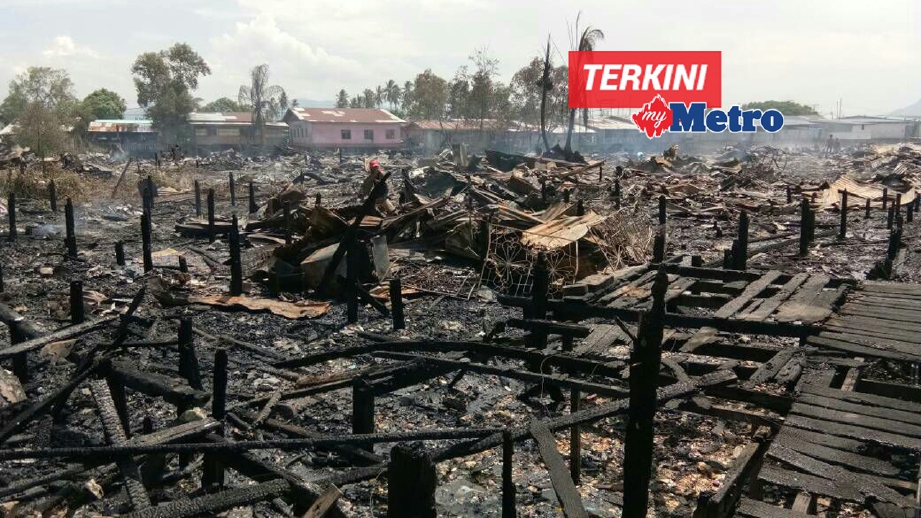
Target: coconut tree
[(587, 41), (379, 95), (265, 99), (392, 93)]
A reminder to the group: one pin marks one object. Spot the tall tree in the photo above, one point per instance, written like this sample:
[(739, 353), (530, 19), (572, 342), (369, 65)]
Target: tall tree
[(50, 87), (586, 43), (429, 96), (379, 96), (164, 82), (459, 94), (342, 99), (263, 98), (356, 102), (369, 99), (481, 101), (407, 97), (224, 104), (392, 93), (101, 104)]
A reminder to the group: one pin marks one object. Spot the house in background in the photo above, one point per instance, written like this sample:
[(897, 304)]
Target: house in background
[(344, 128), (433, 136), (232, 130), (135, 137), (868, 128)]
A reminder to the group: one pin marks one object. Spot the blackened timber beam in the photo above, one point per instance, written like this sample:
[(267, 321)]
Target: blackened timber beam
[(557, 380), (212, 505), (173, 390), (566, 491), (743, 467), (61, 334), (550, 327), (115, 435)]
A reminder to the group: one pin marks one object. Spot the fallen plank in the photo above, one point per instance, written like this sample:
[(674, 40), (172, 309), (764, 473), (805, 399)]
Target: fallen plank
[(838, 416), (855, 432), (750, 292), (862, 350), (211, 505), (822, 439), (60, 334), (856, 408), (863, 398), (835, 456), (770, 368), (810, 484), (749, 508), (802, 305), (322, 504), (566, 492), (769, 305)]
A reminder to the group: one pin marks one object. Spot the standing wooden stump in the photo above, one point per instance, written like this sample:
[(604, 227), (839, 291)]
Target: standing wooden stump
[(211, 231), (253, 207), (508, 485), (236, 264), (120, 253), (53, 196), (70, 237), (617, 193), (662, 214), (197, 199), (842, 230), (396, 303), (411, 482), (233, 191), (77, 311), (188, 358), (146, 242), (644, 376), (11, 207), (286, 210), (212, 478)]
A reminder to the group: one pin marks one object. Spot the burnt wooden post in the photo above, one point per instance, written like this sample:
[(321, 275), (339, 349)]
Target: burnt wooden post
[(211, 231), (213, 471), (77, 311), (11, 206), (362, 407), (319, 200), (910, 212), (658, 247), (539, 292), (566, 196), (120, 400), (120, 253), (197, 199), (148, 197), (580, 207), (286, 209), (236, 265), (411, 482), (21, 360), (727, 259), (617, 193), (351, 281), (53, 196), (1, 279), (396, 303), (233, 191), (252, 199), (146, 242), (890, 216), (842, 231), (543, 190), (811, 225), (885, 197), (740, 255), (804, 227), (789, 194), (662, 215), (644, 375), (866, 209), (600, 173), (898, 205), (508, 485), (575, 441), (188, 359), (70, 238), (183, 264)]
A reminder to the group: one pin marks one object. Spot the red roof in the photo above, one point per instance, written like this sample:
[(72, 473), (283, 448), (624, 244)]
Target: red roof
[(347, 115)]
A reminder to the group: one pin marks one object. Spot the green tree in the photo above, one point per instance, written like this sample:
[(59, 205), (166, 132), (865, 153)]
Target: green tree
[(587, 41), (392, 93), (50, 87), (458, 94), (264, 99), (784, 107), (482, 98), (342, 99), (429, 96), (356, 102), (379, 96), (368, 98), (164, 81), (224, 105), (103, 104), (407, 96)]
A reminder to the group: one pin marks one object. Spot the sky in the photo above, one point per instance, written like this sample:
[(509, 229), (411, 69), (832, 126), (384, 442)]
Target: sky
[(867, 54)]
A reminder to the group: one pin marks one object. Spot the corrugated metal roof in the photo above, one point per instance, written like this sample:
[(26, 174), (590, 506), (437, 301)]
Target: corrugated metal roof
[(197, 118), (348, 115), (865, 120), (456, 125), (121, 126)]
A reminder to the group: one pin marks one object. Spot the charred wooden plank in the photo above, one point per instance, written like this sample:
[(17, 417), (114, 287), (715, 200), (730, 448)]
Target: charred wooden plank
[(821, 439), (569, 497), (862, 350), (878, 423), (867, 410), (804, 304), (810, 484), (769, 369), (600, 339), (742, 469), (768, 306), (750, 292), (886, 389), (836, 456), (749, 508), (177, 392), (855, 432), (863, 398), (550, 327), (211, 505), (61, 334)]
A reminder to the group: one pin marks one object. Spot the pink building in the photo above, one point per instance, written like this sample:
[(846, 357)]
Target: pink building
[(347, 128)]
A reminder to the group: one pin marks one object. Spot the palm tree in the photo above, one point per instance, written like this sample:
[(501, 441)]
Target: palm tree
[(392, 92), (265, 99), (407, 96), (368, 98), (589, 37), (342, 99), (379, 96)]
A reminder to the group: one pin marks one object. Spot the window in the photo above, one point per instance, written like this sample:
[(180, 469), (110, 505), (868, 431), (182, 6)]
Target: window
[(228, 132), (391, 134), (201, 132), (346, 134), (212, 132), (369, 134)]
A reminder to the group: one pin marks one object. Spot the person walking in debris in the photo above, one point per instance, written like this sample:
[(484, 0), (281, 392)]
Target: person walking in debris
[(829, 146), (375, 173)]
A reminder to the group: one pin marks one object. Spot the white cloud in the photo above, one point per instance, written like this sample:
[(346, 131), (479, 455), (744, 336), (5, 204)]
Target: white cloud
[(65, 47)]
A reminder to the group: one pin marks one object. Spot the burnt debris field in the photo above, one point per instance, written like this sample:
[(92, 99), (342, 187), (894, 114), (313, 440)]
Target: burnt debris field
[(735, 334)]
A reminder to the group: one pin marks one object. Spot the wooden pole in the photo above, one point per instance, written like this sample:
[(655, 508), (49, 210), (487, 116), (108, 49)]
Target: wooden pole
[(236, 265), (188, 358), (211, 232), (120, 253), (197, 199), (233, 191), (617, 193), (662, 214), (789, 195), (253, 207), (866, 209), (890, 216), (644, 375), (286, 208), (146, 242), (319, 200), (885, 197), (396, 303), (362, 406), (53, 196), (740, 255), (658, 247), (70, 238), (11, 207), (539, 293), (508, 485), (351, 280), (580, 207), (411, 482), (842, 231), (213, 470), (77, 310)]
